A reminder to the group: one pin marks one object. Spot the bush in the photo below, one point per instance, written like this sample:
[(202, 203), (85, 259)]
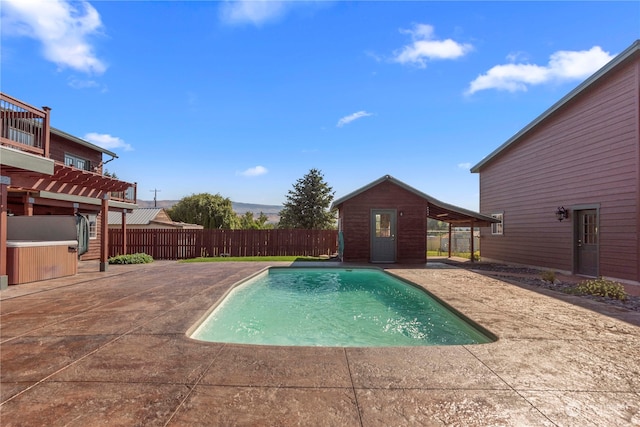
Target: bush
[(603, 288), (139, 258), (548, 276)]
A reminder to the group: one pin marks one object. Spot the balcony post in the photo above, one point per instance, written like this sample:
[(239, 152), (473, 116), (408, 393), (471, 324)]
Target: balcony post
[(46, 130)]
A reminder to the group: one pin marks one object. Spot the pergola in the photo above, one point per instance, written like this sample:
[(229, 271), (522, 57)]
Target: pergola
[(38, 180)]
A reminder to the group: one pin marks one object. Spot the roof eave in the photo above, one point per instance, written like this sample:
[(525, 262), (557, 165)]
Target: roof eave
[(614, 63), (81, 141)]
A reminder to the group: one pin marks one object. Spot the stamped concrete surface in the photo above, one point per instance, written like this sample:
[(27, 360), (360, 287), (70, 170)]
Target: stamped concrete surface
[(110, 348)]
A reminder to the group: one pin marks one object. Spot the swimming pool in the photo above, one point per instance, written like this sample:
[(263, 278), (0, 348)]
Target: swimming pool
[(333, 307)]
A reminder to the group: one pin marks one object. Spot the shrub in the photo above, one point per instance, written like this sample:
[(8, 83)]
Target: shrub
[(602, 287), (138, 258), (548, 276)]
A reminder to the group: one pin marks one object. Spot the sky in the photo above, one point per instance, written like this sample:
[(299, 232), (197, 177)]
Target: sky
[(243, 99)]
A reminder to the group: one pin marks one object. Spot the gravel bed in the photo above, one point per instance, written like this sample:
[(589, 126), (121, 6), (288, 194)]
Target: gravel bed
[(532, 277)]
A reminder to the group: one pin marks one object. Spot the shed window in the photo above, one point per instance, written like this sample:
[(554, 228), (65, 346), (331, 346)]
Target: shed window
[(497, 228), (383, 225)]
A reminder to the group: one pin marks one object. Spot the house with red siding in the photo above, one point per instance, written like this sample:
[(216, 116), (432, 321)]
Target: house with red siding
[(567, 186), (386, 222), (47, 175)]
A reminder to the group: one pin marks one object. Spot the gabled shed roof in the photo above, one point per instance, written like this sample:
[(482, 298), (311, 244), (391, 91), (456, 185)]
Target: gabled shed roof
[(435, 208), (628, 54)]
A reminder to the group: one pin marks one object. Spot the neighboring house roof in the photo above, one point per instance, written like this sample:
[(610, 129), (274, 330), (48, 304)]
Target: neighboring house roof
[(437, 209), (628, 54), (80, 141), (142, 216), (146, 216)]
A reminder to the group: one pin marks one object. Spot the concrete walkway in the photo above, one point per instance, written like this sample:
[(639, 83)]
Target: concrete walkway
[(110, 349)]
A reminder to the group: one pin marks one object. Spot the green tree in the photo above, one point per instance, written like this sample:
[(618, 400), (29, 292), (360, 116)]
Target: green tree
[(208, 210), (434, 224), (247, 221), (110, 174), (307, 205)]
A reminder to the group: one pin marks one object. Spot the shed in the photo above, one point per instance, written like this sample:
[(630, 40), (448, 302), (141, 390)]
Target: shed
[(386, 222)]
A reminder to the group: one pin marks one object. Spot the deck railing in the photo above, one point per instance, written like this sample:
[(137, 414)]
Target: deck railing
[(130, 195), (183, 244), (23, 126)]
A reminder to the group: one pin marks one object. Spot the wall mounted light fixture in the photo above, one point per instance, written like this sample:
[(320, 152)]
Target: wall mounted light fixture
[(562, 213)]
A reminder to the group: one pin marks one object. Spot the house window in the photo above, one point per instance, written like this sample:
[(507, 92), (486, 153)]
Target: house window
[(76, 162), (93, 226), (21, 136), (497, 228)]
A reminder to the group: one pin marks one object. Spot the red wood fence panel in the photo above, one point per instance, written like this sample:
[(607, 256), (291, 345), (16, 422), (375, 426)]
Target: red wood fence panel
[(183, 244)]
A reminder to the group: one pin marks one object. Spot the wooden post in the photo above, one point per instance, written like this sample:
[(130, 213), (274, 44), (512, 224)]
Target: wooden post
[(450, 230), (27, 202), (46, 130), (104, 232), (4, 185), (124, 232), (472, 249)]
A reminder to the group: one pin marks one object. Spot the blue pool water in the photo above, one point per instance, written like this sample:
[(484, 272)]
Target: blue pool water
[(333, 307)]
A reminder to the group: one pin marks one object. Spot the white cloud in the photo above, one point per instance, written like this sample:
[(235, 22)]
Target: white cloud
[(62, 27), (256, 171), (562, 66), (77, 83), (464, 166), (355, 116), (107, 141), (425, 47), (254, 12)]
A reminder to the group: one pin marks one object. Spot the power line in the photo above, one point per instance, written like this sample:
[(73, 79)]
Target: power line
[(155, 196)]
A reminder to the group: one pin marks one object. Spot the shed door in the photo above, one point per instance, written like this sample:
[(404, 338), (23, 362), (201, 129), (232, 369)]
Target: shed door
[(383, 235), (587, 242)]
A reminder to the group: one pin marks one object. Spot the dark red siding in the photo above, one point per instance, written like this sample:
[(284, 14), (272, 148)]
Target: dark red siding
[(587, 153), (411, 232), (60, 146)]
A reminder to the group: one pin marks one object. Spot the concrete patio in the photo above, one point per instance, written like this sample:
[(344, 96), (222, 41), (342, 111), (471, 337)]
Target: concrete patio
[(109, 348)]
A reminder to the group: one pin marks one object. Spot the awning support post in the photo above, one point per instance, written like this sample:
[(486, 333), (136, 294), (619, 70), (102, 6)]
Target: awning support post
[(450, 229), (472, 248)]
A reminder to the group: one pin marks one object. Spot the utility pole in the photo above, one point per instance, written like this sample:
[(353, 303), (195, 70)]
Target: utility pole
[(155, 196)]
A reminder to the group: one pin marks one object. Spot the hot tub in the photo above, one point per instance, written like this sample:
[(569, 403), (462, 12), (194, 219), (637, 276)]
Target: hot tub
[(31, 260)]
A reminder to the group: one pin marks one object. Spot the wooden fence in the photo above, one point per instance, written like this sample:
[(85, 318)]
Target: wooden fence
[(183, 244)]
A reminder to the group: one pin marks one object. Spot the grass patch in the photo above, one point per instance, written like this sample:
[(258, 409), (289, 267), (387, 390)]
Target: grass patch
[(256, 258)]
